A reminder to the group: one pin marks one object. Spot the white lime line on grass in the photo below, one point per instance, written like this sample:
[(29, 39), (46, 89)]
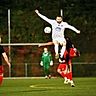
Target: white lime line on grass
[(45, 86)]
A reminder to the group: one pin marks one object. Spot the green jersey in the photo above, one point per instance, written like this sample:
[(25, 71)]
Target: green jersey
[(46, 59)]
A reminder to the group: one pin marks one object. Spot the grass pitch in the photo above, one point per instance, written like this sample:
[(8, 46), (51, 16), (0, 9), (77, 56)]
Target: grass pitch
[(47, 87)]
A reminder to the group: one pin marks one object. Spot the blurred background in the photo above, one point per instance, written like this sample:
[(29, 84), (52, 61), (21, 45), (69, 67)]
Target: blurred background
[(27, 27)]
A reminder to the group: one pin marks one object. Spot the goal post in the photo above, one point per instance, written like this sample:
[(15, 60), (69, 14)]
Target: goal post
[(20, 44), (9, 40)]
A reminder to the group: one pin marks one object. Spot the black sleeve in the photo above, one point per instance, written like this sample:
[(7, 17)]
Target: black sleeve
[(69, 44), (1, 50)]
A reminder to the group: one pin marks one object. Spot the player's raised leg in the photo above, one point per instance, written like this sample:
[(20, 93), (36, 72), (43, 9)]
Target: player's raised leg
[(56, 48), (63, 44), (62, 70)]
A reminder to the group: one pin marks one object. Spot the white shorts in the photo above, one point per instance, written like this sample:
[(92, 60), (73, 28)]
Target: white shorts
[(59, 40)]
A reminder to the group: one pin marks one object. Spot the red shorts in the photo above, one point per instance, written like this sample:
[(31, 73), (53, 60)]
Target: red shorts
[(62, 67), (1, 70)]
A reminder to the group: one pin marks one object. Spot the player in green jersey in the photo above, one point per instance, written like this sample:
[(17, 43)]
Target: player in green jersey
[(46, 62)]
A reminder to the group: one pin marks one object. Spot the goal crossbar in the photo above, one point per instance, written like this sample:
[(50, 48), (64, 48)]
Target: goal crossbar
[(20, 44)]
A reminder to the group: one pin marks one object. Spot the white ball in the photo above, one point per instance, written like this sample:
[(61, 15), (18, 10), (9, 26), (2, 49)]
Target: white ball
[(47, 30)]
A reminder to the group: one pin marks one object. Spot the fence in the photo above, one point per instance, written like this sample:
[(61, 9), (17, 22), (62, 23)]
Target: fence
[(35, 70), (25, 59)]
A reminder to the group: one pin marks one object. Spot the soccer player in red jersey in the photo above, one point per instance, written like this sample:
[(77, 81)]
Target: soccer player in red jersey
[(65, 66), (2, 53), (65, 63)]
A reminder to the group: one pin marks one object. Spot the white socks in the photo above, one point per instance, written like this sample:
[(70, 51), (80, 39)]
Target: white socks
[(62, 51), (56, 49)]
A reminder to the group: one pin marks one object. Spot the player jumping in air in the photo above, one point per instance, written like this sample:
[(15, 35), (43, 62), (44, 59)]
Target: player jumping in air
[(58, 27)]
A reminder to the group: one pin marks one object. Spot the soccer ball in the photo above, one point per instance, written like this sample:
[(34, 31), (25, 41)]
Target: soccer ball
[(47, 30)]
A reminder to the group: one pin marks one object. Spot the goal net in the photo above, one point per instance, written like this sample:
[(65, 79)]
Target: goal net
[(25, 59)]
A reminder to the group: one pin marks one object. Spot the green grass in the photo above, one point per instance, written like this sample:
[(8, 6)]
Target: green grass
[(48, 87)]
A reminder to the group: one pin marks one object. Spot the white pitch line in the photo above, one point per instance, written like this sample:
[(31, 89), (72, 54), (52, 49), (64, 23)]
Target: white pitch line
[(44, 87), (41, 86)]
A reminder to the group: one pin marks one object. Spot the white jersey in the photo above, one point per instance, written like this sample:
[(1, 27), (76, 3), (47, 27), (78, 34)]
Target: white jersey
[(58, 29)]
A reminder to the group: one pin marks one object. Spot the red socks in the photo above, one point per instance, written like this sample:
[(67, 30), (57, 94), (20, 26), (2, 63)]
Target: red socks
[(69, 75)]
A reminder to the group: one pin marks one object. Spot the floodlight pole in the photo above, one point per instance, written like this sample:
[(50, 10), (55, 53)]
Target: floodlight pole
[(9, 47), (61, 12), (61, 7)]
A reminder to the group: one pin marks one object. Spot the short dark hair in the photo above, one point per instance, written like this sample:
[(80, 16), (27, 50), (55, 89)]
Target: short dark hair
[(59, 16)]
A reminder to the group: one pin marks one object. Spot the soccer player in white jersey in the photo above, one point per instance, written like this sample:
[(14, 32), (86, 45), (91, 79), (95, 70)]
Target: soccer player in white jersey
[(58, 27)]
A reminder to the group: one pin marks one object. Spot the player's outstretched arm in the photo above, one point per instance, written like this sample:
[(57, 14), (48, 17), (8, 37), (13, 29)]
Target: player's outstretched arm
[(43, 17), (73, 28), (45, 44), (6, 59)]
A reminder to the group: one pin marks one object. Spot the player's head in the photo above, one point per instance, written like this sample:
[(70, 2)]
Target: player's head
[(45, 50), (59, 19)]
